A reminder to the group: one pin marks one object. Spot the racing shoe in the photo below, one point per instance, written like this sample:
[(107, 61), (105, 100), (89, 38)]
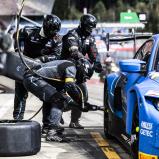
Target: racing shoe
[(76, 125), (44, 131), (53, 136)]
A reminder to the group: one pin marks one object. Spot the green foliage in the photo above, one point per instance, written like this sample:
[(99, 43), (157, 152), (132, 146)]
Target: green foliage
[(153, 21), (73, 13), (120, 7), (109, 10), (100, 11), (60, 8), (141, 7), (63, 10)]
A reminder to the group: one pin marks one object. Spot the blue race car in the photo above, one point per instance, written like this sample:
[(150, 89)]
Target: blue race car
[(131, 100)]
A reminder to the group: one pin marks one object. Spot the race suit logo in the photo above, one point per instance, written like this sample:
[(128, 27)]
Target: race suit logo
[(18, 68)]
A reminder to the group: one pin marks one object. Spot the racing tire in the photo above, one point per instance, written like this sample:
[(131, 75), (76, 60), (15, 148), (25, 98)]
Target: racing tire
[(135, 143), (19, 138), (106, 113)]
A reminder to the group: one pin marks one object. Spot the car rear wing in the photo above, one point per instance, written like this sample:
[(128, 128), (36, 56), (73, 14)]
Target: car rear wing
[(124, 37)]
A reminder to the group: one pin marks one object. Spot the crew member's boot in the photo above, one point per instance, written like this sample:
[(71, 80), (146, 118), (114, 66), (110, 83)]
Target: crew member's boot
[(55, 135), (75, 115), (76, 125), (44, 131)]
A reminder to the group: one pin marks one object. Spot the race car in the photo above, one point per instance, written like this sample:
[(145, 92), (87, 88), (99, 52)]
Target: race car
[(131, 101)]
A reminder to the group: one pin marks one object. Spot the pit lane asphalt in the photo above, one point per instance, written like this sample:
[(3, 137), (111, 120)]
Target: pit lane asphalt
[(84, 145)]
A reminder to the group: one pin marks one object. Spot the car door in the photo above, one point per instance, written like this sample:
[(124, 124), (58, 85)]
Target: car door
[(143, 54)]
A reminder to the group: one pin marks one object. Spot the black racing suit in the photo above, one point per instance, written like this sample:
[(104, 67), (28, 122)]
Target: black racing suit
[(34, 44), (76, 46), (58, 77)]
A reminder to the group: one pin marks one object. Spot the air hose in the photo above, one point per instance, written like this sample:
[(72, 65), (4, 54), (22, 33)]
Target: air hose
[(26, 65), (21, 55)]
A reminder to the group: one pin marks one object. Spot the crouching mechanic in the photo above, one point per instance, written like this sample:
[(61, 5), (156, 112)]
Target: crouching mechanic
[(78, 43), (57, 79), (40, 43)]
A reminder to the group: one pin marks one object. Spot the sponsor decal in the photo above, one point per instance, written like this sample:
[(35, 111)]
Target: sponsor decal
[(71, 38), (18, 68), (146, 125), (146, 129), (87, 42), (146, 133)]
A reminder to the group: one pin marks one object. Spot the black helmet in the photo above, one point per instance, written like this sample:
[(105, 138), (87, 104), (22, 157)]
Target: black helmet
[(87, 23), (84, 70), (51, 25)]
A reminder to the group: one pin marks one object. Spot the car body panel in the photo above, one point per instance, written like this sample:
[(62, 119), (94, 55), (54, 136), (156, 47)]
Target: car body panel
[(133, 86)]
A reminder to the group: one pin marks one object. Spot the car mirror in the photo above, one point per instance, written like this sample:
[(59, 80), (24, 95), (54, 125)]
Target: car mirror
[(132, 66)]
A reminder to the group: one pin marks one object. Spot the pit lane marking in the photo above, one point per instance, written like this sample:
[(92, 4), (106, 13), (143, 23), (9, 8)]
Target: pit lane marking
[(104, 145)]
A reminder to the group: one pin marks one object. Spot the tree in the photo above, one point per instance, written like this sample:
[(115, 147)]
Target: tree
[(73, 13), (109, 10), (120, 7), (153, 21), (100, 11), (61, 8), (66, 10), (141, 7)]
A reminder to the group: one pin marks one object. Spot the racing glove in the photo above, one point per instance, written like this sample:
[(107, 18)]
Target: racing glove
[(61, 99), (98, 67), (73, 92)]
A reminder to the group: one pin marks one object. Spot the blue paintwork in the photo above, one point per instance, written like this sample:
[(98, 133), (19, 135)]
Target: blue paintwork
[(113, 78), (131, 66), (135, 90)]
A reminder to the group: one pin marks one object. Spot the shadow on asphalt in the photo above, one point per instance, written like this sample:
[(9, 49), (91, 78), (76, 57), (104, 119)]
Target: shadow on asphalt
[(4, 89)]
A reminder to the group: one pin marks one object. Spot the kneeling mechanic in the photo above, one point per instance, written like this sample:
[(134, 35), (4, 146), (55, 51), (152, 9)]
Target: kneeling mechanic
[(57, 79)]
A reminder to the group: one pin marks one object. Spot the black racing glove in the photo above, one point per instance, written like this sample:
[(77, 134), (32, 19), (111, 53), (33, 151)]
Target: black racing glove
[(98, 67), (61, 99), (58, 96), (73, 91)]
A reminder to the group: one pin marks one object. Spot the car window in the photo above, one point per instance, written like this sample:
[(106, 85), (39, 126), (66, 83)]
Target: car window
[(145, 51), (157, 61)]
